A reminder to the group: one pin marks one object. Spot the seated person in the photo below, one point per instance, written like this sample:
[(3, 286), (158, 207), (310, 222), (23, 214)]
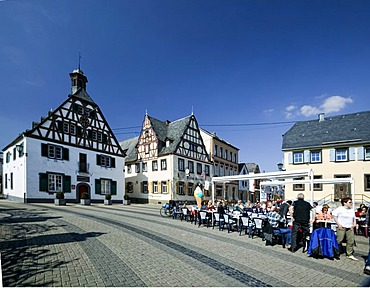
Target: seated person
[(239, 206), (210, 206), (277, 222), (324, 215), (361, 212)]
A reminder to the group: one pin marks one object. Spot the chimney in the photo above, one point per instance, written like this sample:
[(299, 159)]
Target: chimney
[(321, 117), (167, 122)]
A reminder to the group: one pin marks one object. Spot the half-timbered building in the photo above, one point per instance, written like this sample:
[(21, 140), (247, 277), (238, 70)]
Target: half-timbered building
[(71, 150), (166, 161)]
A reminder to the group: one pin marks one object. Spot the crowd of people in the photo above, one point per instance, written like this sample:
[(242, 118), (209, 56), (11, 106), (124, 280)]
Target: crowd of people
[(293, 220)]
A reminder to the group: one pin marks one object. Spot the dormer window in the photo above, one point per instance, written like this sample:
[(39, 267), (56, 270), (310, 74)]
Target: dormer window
[(168, 143)]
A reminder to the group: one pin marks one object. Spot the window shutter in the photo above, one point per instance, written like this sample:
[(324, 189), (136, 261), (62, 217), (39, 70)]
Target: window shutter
[(306, 156), (43, 182), (97, 186), (142, 187), (60, 126), (290, 157), (360, 153), (332, 155), (159, 187), (66, 154), (75, 107), (351, 152), (113, 162), (79, 131), (67, 184), (113, 187), (89, 134), (98, 159), (44, 150), (105, 138), (177, 187)]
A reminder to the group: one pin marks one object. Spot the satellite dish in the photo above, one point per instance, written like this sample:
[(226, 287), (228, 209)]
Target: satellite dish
[(187, 171)]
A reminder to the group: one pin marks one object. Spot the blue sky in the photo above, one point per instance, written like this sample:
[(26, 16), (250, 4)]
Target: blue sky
[(231, 62)]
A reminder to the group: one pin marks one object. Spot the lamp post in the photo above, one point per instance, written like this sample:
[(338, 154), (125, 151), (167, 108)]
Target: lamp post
[(280, 166)]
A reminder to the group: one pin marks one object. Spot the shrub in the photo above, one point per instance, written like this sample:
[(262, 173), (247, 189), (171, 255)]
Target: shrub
[(59, 195), (108, 196), (85, 195), (126, 197)]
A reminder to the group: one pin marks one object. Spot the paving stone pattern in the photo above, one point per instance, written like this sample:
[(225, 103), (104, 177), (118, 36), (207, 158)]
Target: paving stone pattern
[(133, 246)]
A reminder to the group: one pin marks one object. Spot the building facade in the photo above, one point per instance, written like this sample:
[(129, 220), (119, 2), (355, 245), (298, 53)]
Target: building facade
[(166, 161), (249, 189), (224, 157), (333, 147), (71, 150)]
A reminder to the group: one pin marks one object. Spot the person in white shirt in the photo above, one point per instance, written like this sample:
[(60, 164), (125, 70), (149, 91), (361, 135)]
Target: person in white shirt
[(345, 218)]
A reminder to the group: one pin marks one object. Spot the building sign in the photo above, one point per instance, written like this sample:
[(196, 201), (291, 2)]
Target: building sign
[(83, 179)]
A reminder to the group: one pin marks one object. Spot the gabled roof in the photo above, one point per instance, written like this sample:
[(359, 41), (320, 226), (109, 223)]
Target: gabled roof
[(330, 131), (172, 131), (130, 146), (251, 167)]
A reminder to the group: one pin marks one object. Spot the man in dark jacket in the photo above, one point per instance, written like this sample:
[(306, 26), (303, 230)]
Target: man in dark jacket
[(301, 213), (284, 208)]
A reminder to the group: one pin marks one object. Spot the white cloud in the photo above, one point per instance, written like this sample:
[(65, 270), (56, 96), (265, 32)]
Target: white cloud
[(335, 104), (307, 110), (267, 111), (331, 104)]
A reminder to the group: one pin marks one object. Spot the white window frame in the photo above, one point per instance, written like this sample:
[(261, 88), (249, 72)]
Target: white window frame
[(164, 164), (55, 152), (298, 157), (315, 156), (155, 165), (145, 167), (155, 187), (105, 185), (341, 155), (105, 161), (164, 187), (55, 182), (181, 164), (367, 153)]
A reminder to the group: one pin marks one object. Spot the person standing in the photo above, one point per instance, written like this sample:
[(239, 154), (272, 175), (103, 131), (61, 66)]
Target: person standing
[(301, 213), (367, 263), (345, 218), (284, 208)]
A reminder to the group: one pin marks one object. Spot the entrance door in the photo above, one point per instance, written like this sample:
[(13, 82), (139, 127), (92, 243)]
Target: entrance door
[(82, 188), (342, 190)]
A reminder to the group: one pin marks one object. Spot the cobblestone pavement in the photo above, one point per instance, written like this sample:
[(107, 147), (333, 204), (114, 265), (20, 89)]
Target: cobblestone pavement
[(98, 245)]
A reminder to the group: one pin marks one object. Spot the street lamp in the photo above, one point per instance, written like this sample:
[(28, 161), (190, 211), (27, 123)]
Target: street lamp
[(280, 166)]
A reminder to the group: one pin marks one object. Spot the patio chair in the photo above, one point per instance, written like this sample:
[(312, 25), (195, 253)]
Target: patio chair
[(203, 218), (258, 226), (218, 220), (247, 225), (230, 223)]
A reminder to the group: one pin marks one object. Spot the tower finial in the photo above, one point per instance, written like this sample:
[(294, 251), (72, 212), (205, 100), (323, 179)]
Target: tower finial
[(79, 60), (192, 110), (146, 112)]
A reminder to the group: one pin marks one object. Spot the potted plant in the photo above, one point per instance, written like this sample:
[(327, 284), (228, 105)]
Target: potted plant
[(108, 199), (85, 199), (59, 199), (126, 200)]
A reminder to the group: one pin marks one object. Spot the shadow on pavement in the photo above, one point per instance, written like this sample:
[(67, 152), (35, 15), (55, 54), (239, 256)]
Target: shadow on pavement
[(23, 246)]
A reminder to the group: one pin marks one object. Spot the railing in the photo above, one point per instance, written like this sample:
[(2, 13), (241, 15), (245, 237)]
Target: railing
[(359, 198), (363, 199)]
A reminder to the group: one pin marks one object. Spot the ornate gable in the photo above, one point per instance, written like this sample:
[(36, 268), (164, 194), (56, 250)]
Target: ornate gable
[(191, 143), (147, 145), (78, 122)]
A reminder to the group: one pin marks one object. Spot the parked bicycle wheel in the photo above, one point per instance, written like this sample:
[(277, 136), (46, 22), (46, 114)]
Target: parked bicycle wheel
[(165, 212)]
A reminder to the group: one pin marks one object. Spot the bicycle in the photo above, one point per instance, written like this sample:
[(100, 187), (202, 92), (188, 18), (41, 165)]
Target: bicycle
[(166, 210)]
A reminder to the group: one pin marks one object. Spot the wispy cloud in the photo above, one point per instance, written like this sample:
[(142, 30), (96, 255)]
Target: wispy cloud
[(330, 104)]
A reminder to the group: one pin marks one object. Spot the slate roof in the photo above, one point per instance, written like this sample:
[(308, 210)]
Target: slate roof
[(82, 94), (172, 131), (332, 131), (251, 167)]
